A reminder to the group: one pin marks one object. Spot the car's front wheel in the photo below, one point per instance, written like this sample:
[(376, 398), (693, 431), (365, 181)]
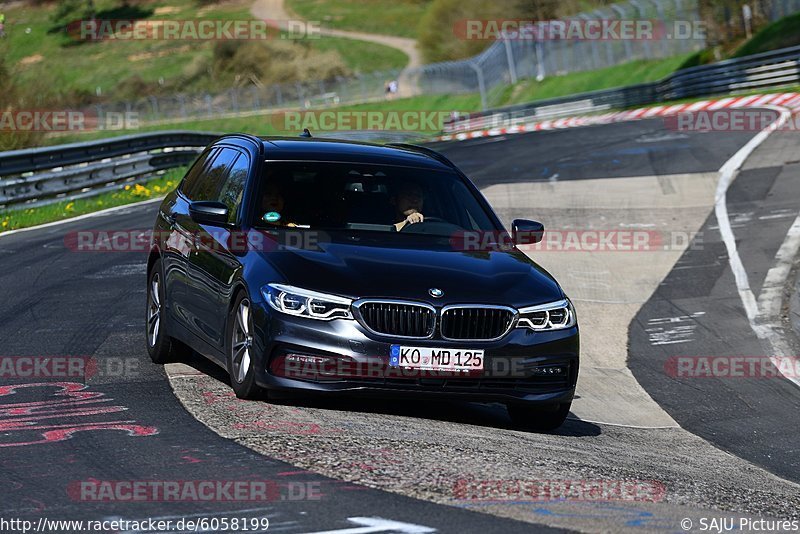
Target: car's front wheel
[(538, 418), (161, 347), (240, 350)]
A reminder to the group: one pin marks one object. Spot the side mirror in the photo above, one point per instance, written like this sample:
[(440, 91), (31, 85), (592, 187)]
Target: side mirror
[(209, 212), (525, 232)]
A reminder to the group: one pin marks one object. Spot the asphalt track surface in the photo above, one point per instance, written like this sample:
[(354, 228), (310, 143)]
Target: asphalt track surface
[(56, 302)]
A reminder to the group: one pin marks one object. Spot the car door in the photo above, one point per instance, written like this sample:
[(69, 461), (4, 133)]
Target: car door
[(211, 262), (178, 242)]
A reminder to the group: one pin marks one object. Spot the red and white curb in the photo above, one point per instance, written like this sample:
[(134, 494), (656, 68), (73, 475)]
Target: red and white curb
[(787, 100)]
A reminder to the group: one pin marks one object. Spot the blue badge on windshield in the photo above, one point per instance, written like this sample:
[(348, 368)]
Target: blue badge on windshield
[(272, 216)]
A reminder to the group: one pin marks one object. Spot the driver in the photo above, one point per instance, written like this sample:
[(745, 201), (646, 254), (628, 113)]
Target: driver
[(272, 204), (408, 205)]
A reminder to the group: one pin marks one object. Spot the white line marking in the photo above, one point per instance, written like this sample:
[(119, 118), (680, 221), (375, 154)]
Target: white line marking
[(769, 301), (623, 426), (84, 216), (378, 524), (762, 323)]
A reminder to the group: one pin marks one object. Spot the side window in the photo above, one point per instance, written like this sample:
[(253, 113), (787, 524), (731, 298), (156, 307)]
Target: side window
[(233, 187), (191, 178), (209, 182)]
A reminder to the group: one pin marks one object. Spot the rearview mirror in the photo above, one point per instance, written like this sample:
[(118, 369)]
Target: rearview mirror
[(525, 232), (209, 212)]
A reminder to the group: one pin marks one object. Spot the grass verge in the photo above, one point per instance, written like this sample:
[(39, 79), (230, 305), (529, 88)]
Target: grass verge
[(25, 217), (387, 17)]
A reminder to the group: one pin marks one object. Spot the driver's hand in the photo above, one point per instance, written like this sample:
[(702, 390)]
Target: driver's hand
[(415, 217)]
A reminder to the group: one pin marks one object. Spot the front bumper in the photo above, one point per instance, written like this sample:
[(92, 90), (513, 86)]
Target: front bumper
[(513, 365)]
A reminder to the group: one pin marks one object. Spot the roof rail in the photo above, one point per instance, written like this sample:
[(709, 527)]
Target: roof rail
[(249, 137), (423, 150)]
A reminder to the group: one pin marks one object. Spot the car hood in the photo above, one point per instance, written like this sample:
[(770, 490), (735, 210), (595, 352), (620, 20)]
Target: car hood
[(358, 271)]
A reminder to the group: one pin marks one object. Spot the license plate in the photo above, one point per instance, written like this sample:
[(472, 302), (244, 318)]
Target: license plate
[(436, 359)]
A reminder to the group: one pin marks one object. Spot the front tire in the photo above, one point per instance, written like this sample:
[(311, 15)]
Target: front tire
[(161, 347), (239, 349), (538, 418)]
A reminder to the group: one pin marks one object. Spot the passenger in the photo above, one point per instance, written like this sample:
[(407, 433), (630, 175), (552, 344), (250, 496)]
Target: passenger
[(408, 205)]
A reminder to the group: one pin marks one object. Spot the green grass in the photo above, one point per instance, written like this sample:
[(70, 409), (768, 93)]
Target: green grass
[(782, 33), (55, 60), (26, 217), (387, 17), (581, 82), (361, 56)]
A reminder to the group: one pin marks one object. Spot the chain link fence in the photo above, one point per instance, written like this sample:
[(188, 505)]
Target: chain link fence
[(678, 30), (508, 60), (250, 100)]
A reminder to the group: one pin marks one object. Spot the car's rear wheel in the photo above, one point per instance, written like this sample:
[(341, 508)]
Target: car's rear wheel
[(161, 347), (240, 350), (538, 418)]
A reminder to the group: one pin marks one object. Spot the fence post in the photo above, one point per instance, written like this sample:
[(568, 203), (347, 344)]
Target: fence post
[(595, 54), (182, 104), (660, 11), (540, 70), (626, 43), (481, 84), (642, 14), (512, 68)]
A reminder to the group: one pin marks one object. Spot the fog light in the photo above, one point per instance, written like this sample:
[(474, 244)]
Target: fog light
[(312, 367)]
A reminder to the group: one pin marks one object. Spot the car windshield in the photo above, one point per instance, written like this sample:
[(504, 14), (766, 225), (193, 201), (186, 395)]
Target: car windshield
[(366, 197)]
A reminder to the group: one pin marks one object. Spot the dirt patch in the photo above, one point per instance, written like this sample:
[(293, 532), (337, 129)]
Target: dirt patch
[(30, 60), (161, 53), (166, 10)]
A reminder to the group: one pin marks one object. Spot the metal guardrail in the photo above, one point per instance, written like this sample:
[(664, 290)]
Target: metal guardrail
[(768, 69), (39, 176)]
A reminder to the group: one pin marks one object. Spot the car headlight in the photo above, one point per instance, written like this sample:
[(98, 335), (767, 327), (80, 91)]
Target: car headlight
[(306, 303), (551, 316)]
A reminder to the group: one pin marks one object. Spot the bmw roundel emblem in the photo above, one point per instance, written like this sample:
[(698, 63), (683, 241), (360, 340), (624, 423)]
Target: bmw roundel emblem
[(436, 293)]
